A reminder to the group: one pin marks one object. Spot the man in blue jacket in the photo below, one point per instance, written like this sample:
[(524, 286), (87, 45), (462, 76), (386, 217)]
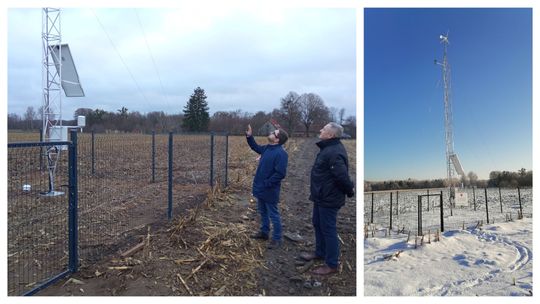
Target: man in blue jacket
[(330, 183), (271, 170)]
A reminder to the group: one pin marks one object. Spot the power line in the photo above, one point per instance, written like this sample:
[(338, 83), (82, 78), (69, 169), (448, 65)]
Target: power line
[(152, 57), (121, 59)]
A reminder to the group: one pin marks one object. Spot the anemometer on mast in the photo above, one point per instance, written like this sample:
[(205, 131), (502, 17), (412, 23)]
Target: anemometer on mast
[(58, 74), (453, 165)]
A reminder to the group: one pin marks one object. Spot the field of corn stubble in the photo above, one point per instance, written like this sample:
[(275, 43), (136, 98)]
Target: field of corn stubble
[(205, 249)]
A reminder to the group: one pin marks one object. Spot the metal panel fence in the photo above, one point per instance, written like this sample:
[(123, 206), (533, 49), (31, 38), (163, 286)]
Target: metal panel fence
[(129, 182), (114, 187), (404, 211), (126, 184), (41, 228)]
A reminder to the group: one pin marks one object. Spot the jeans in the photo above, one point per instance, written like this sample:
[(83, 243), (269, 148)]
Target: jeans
[(326, 238), (269, 213)]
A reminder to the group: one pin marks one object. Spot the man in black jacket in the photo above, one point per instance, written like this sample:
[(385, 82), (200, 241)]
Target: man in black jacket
[(330, 183)]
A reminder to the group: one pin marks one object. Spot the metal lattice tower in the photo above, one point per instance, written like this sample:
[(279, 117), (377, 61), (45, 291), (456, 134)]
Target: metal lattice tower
[(448, 119), (52, 87), (51, 76)]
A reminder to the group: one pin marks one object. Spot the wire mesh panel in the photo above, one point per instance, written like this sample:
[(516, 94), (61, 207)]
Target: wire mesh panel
[(122, 191), (191, 155), (123, 185), (161, 157), (118, 156), (221, 147), (405, 213), (37, 224), (377, 210), (406, 206), (429, 212), (502, 205), (117, 199), (191, 159), (458, 217), (513, 198), (242, 162)]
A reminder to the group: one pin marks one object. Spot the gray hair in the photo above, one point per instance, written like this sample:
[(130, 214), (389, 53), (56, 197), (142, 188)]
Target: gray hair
[(337, 129)]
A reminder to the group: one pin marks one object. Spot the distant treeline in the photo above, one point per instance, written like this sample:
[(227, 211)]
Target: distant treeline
[(233, 122), (298, 114), (503, 179)]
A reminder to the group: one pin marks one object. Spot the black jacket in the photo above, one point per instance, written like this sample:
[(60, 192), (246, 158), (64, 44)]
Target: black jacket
[(330, 180)]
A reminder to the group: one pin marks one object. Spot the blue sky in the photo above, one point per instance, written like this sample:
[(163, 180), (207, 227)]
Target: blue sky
[(490, 55)]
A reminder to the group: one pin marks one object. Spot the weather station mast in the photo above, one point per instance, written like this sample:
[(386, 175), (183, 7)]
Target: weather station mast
[(453, 165), (58, 74)]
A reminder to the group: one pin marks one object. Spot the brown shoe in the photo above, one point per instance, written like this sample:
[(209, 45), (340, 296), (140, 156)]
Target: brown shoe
[(324, 270), (307, 256)]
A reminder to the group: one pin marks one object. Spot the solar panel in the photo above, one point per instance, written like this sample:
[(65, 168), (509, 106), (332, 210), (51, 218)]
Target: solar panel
[(70, 78), (455, 160)]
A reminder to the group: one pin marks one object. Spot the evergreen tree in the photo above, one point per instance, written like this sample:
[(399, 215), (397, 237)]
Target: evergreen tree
[(196, 115)]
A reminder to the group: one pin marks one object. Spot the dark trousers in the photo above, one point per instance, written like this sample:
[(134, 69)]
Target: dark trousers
[(269, 212), (326, 238)]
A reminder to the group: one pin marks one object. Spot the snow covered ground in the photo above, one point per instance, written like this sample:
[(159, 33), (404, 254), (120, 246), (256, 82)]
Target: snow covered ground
[(491, 260)]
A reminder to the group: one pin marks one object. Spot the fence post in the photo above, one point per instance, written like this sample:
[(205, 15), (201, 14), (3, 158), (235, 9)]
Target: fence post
[(420, 215), (428, 200), (211, 159), (500, 199), (153, 156), (487, 209), (372, 194), (390, 210), (474, 198), (226, 159), (93, 160), (73, 202), (442, 215), (170, 179), (450, 201), (520, 208), (41, 150), (397, 203)]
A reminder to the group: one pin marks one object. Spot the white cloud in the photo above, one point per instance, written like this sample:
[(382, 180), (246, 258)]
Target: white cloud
[(245, 58)]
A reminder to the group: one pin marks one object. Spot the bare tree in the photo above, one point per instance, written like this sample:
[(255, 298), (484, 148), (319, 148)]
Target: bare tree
[(40, 114), (290, 110), (333, 112), (29, 116), (473, 178), (349, 126), (259, 119), (233, 122), (312, 110), (155, 121), (123, 112), (82, 112), (341, 115), (464, 181), (14, 121)]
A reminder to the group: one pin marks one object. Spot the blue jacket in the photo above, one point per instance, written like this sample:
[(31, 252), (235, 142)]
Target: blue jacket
[(271, 170)]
